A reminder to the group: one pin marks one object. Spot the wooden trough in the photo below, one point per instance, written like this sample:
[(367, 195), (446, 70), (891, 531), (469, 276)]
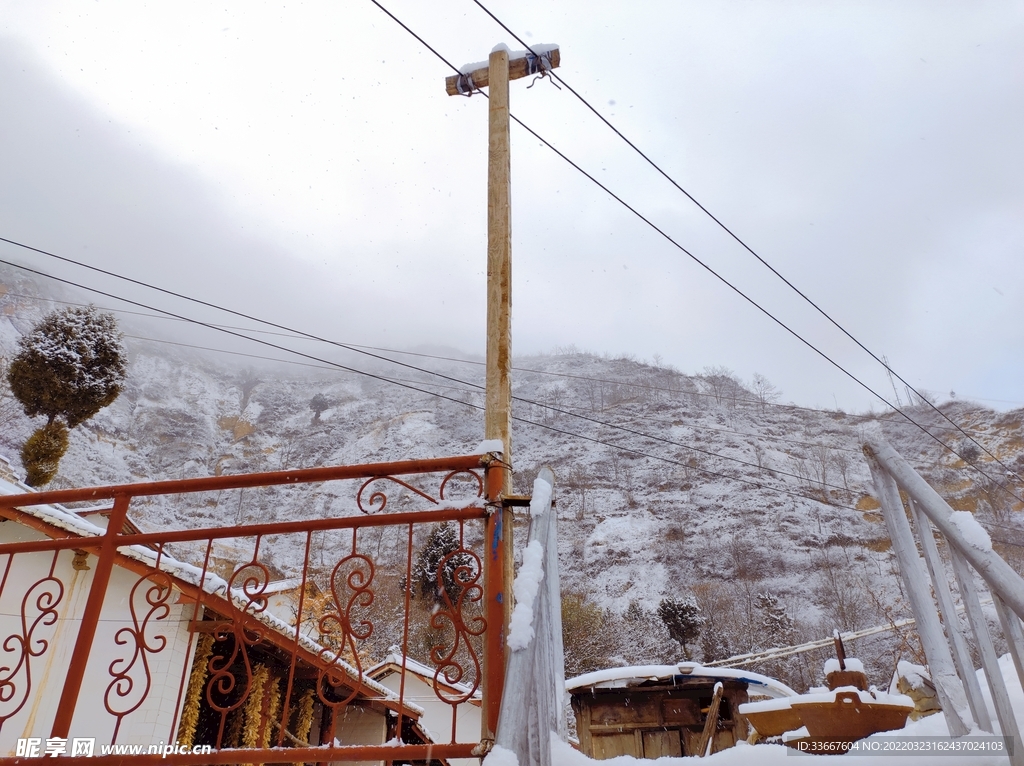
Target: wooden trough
[(848, 711)]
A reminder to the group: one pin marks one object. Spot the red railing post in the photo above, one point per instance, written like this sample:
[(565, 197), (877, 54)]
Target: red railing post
[(90, 618), (498, 595)]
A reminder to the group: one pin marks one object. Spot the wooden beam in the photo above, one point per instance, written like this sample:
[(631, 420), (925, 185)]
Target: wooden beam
[(517, 67), (707, 737), (210, 626)]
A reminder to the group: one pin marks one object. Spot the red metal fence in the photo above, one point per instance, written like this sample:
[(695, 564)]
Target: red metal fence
[(176, 629)]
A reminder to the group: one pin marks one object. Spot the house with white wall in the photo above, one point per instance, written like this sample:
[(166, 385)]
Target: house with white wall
[(451, 711), (143, 683)]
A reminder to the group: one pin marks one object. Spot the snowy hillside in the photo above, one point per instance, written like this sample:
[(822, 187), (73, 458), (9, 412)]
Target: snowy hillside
[(669, 485)]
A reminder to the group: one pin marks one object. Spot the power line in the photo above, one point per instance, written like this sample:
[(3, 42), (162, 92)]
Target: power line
[(524, 421), (745, 246), (381, 378), (522, 400), (647, 418), (714, 273), (473, 362), (217, 307)]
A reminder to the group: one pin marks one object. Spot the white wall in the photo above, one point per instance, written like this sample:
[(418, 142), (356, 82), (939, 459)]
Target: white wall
[(437, 715), (152, 722)]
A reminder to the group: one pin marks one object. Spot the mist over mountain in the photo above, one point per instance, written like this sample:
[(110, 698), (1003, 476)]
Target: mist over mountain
[(669, 485)]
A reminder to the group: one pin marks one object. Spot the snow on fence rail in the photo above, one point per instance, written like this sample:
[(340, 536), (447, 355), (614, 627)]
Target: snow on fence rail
[(969, 547)]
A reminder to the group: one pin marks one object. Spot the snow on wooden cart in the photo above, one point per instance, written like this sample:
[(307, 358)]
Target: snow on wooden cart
[(652, 711)]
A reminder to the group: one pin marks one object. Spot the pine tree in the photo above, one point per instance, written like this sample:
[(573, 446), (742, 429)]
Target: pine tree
[(318, 404), (776, 625), (69, 367), (682, 618), (442, 552)]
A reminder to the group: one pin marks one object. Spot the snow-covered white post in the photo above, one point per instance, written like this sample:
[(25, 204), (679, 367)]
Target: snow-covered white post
[(940, 662), (532, 707), (999, 575), (940, 585), (1014, 634), (989, 660)]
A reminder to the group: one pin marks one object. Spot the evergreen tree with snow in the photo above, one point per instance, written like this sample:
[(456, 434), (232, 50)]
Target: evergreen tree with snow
[(682, 618), (776, 625), (443, 555), (318, 404), (69, 367)]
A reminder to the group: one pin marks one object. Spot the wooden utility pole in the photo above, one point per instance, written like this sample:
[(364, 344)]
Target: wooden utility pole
[(496, 75), (498, 567), (498, 399)]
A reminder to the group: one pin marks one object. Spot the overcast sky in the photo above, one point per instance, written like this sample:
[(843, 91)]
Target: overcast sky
[(302, 162)]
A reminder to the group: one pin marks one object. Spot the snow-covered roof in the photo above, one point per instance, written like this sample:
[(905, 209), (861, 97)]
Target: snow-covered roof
[(69, 521), (280, 586), (618, 678), (396, 660)]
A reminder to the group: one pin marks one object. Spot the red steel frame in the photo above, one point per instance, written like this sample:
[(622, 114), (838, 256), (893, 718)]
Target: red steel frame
[(108, 549)]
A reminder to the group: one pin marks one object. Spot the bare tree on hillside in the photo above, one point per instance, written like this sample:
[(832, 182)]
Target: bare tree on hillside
[(578, 479), (764, 391), (821, 462), (841, 461), (841, 593), (248, 380), (715, 604), (723, 385)]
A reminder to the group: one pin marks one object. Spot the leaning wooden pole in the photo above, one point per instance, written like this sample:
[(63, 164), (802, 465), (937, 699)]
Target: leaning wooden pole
[(498, 402)]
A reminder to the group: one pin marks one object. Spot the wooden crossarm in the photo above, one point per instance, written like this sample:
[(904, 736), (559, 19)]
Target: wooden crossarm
[(517, 67)]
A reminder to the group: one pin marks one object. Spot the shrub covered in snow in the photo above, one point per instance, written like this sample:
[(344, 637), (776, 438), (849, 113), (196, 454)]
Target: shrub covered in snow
[(69, 367)]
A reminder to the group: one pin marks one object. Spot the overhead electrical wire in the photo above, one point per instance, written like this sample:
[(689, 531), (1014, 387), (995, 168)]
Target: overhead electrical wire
[(295, 332), (552, 73), (475, 389), (409, 386), (523, 400), (722, 279), (631, 384), (646, 418)]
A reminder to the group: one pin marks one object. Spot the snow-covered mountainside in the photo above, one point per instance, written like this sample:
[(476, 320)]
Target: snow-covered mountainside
[(669, 485)]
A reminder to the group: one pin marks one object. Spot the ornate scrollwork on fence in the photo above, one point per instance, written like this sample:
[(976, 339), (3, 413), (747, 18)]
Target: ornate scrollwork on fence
[(131, 679), (377, 500), (249, 583), (38, 609), (380, 497), (231, 672), (475, 480), (341, 628), (460, 663)]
